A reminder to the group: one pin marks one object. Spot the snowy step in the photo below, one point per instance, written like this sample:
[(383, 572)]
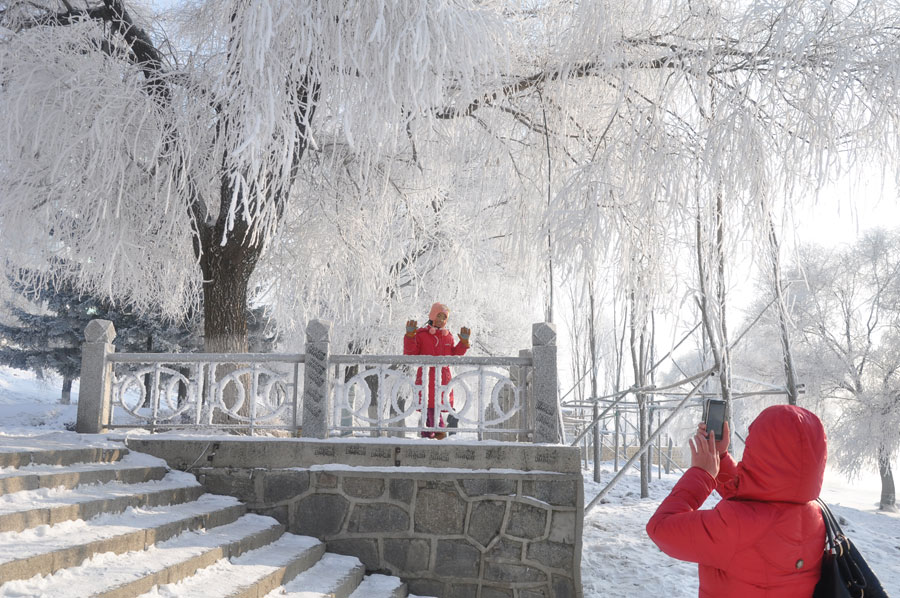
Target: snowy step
[(131, 469), (20, 456), (334, 576), (31, 508), (250, 575), (380, 586), (129, 574), (49, 548)]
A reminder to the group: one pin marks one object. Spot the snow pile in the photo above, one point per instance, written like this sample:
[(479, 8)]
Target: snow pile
[(30, 406)]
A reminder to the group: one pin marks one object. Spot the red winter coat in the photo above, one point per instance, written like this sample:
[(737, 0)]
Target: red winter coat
[(766, 538), (425, 343)]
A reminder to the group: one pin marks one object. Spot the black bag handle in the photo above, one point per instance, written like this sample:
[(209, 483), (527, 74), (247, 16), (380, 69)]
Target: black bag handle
[(833, 531), (838, 544)]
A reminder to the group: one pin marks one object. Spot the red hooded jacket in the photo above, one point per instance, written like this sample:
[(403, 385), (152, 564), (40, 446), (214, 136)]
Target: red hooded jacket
[(767, 537), (423, 342)]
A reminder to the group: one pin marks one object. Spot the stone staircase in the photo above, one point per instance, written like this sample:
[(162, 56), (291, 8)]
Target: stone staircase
[(101, 521)]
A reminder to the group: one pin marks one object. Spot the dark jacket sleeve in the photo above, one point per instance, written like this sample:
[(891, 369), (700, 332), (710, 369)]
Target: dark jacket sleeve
[(684, 532)]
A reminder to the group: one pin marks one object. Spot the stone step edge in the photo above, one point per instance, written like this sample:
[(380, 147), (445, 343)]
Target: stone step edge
[(71, 556), (21, 520), (289, 565), (376, 585), (176, 572), (65, 456), (334, 576), (281, 576), (73, 478)]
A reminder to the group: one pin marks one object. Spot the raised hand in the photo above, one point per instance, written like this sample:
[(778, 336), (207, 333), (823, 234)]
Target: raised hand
[(704, 453), (411, 327), (723, 442), (464, 334)]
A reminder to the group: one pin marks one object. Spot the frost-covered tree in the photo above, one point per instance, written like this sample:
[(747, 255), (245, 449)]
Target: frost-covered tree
[(844, 309), (187, 153), (163, 160)]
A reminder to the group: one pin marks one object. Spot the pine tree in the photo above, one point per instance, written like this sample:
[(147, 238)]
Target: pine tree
[(48, 337)]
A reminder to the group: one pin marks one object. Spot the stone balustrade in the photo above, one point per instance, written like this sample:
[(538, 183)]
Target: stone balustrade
[(452, 520)]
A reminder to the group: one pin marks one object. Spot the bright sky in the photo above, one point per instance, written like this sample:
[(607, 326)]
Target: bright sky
[(848, 209)]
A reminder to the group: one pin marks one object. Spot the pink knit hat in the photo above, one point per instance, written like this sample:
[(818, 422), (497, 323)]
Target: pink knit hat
[(436, 309)]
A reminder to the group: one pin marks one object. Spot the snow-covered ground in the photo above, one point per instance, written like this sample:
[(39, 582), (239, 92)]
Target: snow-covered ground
[(618, 559)]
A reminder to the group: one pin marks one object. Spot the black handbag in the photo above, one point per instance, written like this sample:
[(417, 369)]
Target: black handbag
[(845, 573)]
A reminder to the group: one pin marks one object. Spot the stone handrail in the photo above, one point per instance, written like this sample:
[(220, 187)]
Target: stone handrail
[(254, 392)]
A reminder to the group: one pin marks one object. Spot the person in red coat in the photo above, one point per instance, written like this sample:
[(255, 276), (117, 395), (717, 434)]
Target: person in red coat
[(434, 339), (766, 537)]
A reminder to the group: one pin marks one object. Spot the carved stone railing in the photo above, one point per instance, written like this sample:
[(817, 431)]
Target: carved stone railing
[(502, 398), (160, 391), (379, 394)]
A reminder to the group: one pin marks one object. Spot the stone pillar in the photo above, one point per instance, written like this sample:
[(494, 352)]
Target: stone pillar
[(96, 377), (316, 384), (526, 413), (546, 403)]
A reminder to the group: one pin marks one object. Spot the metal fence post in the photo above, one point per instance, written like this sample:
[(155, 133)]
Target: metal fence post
[(546, 403), (95, 394), (598, 456), (616, 441), (317, 375)]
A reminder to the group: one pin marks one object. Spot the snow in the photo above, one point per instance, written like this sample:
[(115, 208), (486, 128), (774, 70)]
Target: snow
[(130, 460), (47, 538), (48, 498), (108, 570), (320, 580), (31, 406), (618, 560), (225, 577)]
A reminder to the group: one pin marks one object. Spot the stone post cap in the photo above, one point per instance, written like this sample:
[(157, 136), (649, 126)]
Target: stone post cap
[(543, 333), (99, 331), (318, 331)]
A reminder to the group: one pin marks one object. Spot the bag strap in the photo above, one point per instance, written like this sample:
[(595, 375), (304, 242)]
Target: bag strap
[(839, 545), (833, 532)]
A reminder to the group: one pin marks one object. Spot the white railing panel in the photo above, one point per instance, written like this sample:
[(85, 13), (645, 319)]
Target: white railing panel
[(383, 398), (205, 391)]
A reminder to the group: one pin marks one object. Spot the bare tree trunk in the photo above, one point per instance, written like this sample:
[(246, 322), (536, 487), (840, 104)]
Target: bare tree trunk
[(790, 376), (716, 341), (725, 370), (592, 332), (639, 367), (226, 275), (888, 491), (148, 377), (66, 396)]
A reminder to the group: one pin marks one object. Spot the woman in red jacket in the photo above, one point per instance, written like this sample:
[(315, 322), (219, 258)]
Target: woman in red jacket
[(434, 339), (766, 537)]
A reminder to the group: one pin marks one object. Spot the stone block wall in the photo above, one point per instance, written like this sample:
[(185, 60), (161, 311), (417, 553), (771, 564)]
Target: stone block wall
[(448, 531)]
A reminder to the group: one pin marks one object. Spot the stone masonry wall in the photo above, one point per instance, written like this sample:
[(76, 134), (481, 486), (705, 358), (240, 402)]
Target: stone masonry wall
[(448, 531)]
